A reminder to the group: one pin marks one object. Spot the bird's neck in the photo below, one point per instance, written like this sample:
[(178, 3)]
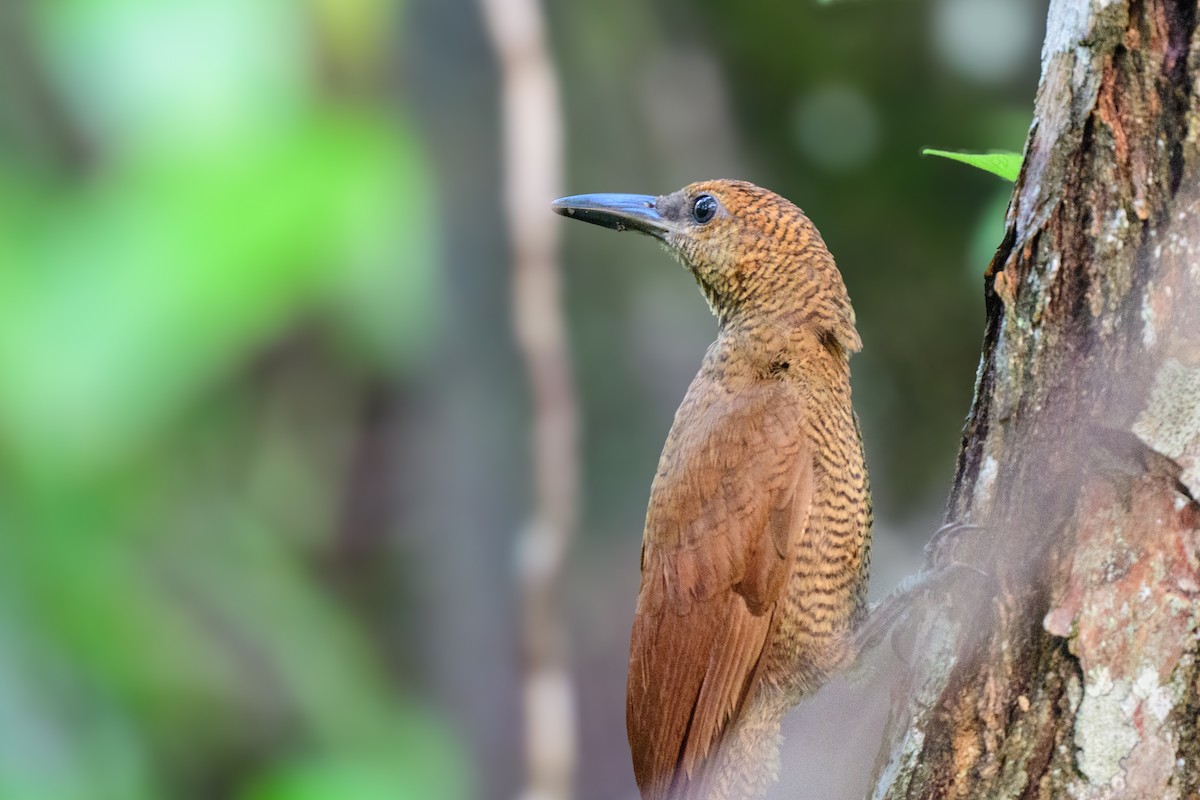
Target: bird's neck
[(828, 318), (769, 347)]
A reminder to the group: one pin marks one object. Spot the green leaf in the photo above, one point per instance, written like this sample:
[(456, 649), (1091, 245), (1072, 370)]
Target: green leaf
[(1006, 165)]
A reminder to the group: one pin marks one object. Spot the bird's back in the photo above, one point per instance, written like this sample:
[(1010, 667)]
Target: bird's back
[(826, 594)]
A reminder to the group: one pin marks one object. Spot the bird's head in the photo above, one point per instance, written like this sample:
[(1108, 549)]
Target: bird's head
[(756, 256)]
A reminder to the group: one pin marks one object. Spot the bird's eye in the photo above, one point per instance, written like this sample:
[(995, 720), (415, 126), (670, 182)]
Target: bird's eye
[(704, 209)]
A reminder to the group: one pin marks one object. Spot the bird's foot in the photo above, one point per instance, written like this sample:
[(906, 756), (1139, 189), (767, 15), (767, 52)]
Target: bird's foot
[(945, 566), (947, 543)]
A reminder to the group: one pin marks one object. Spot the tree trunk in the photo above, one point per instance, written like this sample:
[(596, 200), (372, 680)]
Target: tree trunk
[(1051, 650)]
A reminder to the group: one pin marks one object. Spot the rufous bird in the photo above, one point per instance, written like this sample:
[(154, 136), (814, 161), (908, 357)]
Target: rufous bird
[(756, 546)]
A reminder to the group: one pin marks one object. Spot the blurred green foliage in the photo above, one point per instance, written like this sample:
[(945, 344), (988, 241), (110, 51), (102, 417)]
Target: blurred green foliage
[(164, 629)]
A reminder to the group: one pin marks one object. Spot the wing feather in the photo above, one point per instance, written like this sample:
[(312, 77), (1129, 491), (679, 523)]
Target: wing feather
[(731, 498)]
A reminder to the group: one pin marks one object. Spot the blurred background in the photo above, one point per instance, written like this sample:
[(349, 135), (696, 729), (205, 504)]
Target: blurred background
[(264, 427)]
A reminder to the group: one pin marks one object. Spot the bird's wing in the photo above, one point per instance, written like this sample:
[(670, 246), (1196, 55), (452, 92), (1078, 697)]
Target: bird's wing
[(731, 497)]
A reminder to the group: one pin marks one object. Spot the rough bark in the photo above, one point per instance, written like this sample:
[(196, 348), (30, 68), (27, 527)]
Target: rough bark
[(1051, 649)]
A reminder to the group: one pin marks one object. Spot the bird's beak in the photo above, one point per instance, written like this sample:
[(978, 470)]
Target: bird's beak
[(635, 212)]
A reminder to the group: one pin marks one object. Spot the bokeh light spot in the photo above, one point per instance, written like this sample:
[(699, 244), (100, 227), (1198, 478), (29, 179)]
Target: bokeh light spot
[(836, 126), (984, 40)]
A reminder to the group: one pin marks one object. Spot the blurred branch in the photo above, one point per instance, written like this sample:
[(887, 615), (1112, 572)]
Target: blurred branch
[(532, 121), (48, 119)]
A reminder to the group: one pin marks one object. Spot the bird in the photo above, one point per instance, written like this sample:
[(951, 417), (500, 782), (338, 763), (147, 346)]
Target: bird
[(756, 547)]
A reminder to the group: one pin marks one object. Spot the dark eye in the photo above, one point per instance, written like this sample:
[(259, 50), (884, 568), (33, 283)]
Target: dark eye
[(704, 209)]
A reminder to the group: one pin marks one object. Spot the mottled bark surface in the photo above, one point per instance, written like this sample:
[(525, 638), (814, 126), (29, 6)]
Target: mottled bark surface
[(1052, 649)]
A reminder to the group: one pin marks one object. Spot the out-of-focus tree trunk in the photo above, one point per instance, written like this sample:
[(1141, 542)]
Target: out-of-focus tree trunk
[(533, 174), (1062, 660)]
